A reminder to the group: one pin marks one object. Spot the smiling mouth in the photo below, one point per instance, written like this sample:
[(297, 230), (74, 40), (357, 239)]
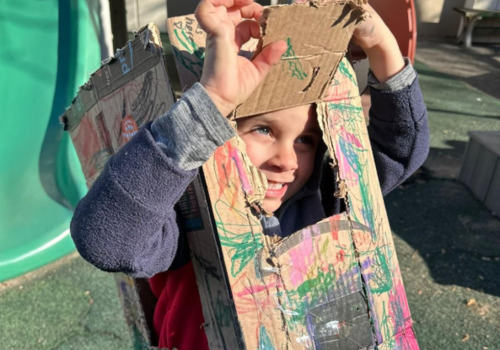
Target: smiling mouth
[(275, 185), (276, 189)]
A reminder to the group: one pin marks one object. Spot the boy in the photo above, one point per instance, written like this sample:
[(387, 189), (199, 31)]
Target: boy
[(127, 221)]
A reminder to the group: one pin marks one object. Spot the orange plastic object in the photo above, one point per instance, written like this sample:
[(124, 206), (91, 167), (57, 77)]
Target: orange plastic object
[(400, 17)]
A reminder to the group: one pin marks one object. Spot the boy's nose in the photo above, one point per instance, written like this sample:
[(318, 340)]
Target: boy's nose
[(284, 158)]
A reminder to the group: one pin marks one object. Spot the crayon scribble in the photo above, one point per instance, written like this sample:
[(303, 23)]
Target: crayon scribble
[(310, 293), (236, 156), (243, 247), (346, 72), (380, 278), (399, 308), (224, 168), (293, 64), (193, 60), (343, 85), (351, 154), (387, 327), (265, 342)]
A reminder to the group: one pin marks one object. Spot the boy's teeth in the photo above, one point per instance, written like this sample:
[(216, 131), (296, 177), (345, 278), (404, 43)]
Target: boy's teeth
[(275, 186)]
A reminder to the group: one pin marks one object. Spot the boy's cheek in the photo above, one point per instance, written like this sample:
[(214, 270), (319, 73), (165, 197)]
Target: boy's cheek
[(255, 152)]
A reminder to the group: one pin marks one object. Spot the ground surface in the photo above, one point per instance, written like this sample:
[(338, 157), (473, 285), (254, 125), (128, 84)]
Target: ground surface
[(448, 244)]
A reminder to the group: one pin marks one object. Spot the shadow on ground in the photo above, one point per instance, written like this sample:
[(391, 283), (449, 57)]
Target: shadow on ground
[(448, 246), (445, 162), (478, 66), (453, 232)]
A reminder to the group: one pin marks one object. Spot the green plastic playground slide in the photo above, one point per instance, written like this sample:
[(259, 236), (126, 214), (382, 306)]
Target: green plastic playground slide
[(47, 49)]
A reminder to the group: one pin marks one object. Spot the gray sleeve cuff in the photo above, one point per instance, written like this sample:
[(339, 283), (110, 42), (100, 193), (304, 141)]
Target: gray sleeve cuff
[(398, 82), (192, 129)]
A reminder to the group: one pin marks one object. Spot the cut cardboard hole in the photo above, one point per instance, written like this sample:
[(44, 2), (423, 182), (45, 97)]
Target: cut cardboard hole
[(313, 78)]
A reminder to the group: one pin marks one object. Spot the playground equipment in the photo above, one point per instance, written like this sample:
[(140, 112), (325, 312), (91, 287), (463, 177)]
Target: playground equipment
[(400, 17), (48, 49)]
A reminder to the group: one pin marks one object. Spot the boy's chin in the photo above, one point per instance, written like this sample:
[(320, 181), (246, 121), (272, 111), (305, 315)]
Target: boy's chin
[(270, 205)]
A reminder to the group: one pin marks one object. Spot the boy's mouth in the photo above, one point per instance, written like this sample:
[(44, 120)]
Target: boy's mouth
[(276, 189)]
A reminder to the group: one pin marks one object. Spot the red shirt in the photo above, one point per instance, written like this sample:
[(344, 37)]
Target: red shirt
[(178, 317)]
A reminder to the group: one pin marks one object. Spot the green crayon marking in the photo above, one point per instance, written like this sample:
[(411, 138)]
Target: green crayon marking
[(243, 246), (290, 59), (344, 70), (265, 342), (311, 292), (381, 276), (387, 329), (351, 154), (348, 108), (193, 65)]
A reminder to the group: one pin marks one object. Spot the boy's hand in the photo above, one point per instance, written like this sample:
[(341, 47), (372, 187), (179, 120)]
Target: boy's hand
[(228, 78), (380, 45)]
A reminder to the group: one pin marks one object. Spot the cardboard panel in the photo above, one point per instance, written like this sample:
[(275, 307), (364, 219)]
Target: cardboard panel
[(296, 293), (130, 90), (317, 36), (334, 285), (347, 139)]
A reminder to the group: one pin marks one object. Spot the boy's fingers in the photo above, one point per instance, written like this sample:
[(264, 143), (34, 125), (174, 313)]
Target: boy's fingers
[(246, 30), (269, 56), (205, 15), (231, 3), (251, 11)]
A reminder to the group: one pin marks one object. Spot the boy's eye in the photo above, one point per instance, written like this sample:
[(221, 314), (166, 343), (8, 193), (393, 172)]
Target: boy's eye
[(262, 130), (308, 140)]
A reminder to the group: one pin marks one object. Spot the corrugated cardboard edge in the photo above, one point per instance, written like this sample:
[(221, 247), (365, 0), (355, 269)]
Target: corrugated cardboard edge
[(86, 98)]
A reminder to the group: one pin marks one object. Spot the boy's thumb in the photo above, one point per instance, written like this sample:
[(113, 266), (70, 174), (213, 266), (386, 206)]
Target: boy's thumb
[(269, 56)]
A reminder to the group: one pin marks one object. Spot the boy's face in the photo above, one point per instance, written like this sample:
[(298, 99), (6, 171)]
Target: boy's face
[(282, 145)]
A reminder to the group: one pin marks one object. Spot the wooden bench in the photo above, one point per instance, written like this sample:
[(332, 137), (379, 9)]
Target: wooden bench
[(469, 19), (481, 168)]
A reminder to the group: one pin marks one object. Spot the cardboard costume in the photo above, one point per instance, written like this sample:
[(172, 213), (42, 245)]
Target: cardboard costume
[(333, 285)]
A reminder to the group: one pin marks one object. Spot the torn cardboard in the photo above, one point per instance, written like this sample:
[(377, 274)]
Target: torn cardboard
[(333, 285), (317, 37), (336, 284), (128, 91)]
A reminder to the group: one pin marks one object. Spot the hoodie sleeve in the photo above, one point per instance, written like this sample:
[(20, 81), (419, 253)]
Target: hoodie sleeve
[(398, 128), (127, 222)]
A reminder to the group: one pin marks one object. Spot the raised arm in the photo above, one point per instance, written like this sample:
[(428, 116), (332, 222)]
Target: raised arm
[(127, 221), (398, 127)]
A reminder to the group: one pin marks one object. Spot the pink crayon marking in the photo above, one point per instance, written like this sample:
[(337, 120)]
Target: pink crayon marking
[(235, 155), (350, 138), (258, 288), (300, 257)]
